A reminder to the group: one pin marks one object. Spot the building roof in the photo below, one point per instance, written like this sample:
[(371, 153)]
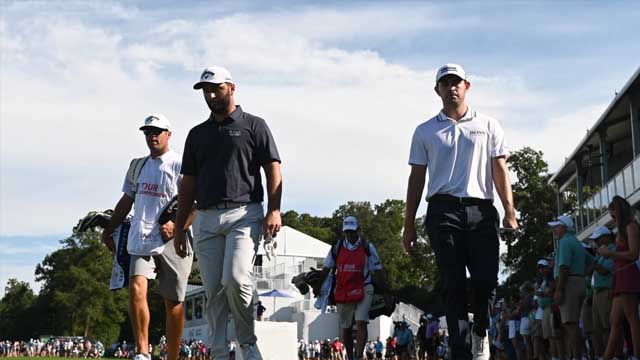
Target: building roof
[(616, 106), (292, 242)]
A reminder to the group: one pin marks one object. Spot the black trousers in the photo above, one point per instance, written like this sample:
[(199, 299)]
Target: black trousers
[(464, 235)]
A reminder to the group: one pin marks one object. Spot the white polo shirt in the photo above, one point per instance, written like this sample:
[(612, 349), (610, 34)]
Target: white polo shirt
[(458, 154), (156, 186)]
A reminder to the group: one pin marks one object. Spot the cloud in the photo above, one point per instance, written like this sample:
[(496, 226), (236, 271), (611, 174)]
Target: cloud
[(23, 272), (77, 80)]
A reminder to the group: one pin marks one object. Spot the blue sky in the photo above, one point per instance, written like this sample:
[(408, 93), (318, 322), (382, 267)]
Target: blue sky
[(342, 85)]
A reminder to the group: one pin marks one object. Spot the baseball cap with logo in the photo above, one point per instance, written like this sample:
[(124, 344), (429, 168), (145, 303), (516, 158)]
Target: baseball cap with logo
[(543, 262), (214, 75), (350, 223), (563, 220), (451, 69), (156, 121), (600, 230)]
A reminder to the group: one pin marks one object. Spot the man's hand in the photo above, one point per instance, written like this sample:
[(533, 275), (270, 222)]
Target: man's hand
[(409, 237), (558, 297), (166, 231), (180, 243), (605, 252), (107, 240), (510, 222), (272, 223)]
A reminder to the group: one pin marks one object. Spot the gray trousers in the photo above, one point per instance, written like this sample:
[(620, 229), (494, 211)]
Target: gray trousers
[(225, 242)]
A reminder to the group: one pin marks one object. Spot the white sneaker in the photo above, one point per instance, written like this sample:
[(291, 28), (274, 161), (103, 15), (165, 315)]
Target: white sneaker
[(479, 347), (142, 357), (250, 352)]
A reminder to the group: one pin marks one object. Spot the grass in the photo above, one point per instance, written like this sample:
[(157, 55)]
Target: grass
[(51, 358)]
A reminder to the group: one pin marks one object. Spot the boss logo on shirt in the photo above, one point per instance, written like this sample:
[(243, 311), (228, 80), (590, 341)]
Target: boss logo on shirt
[(234, 133), (477, 132)]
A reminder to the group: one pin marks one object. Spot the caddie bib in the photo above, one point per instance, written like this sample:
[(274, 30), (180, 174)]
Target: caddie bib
[(350, 275)]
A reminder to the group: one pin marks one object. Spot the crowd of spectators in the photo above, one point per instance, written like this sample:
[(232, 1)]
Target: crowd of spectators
[(79, 347), (402, 345), (70, 347), (583, 303)]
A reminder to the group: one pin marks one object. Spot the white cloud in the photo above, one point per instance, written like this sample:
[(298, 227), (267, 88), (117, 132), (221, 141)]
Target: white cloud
[(74, 88)]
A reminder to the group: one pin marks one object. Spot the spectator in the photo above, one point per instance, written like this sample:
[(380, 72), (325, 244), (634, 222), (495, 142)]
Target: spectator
[(539, 304), (404, 337), (260, 309), (379, 348), (626, 275), (569, 272)]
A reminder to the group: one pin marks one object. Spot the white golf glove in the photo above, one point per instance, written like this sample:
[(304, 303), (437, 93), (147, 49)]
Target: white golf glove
[(270, 244)]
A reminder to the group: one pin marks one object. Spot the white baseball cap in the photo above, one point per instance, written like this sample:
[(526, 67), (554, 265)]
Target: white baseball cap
[(214, 75), (157, 121), (563, 220), (600, 230), (543, 262), (450, 69), (350, 223)]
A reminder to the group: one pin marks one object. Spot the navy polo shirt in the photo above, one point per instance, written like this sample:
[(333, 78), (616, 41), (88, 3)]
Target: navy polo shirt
[(226, 156)]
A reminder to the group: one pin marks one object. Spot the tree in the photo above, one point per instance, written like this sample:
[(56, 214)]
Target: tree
[(75, 282), (535, 202), (317, 227), (16, 311)]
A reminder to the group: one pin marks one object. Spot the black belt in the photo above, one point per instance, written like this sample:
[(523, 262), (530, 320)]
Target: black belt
[(229, 205), (466, 201)]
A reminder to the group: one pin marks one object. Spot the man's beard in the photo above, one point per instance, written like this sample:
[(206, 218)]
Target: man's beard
[(220, 106)]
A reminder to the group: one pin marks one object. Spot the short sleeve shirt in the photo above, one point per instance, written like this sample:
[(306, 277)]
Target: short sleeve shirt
[(570, 253), (373, 262), (458, 154), (604, 281), (226, 156), (156, 185)]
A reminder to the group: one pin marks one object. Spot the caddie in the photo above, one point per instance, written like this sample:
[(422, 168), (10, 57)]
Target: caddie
[(354, 261), (151, 182)]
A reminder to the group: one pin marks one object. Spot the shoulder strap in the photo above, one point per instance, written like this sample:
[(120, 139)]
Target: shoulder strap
[(367, 247), (135, 168), (335, 249)]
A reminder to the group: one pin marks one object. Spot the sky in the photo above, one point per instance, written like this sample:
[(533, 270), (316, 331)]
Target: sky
[(342, 86)]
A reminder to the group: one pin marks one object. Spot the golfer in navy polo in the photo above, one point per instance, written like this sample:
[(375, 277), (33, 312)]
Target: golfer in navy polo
[(221, 167), (466, 155)]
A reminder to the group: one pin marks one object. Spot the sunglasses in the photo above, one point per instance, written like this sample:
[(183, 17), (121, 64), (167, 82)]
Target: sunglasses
[(153, 132)]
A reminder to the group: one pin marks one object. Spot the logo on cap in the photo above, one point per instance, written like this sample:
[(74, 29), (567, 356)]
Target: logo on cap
[(207, 75), (150, 119)]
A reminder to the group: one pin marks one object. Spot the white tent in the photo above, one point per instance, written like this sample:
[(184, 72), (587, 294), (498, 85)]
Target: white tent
[(294, 243)]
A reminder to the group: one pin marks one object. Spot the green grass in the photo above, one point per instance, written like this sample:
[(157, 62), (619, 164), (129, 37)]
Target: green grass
[(53, 358)]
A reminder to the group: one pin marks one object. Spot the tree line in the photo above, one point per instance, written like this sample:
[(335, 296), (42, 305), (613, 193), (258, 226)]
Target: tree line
[(75, 298)]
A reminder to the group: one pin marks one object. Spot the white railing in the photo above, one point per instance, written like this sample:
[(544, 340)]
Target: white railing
[(624, 183), (303, 305), (262, 285)]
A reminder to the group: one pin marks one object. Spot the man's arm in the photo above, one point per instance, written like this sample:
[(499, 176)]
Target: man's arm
[(186, 197), (414, 194), (500, 175), (122, 209), (272, 221), (601, 269), (561, 284)]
